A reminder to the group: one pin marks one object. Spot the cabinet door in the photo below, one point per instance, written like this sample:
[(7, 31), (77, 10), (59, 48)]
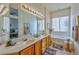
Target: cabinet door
[(28, 51), (49, 40), (38, 47), (44, 45)]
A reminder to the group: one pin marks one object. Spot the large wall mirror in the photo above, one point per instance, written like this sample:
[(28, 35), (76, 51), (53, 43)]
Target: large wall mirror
[(34, 26)]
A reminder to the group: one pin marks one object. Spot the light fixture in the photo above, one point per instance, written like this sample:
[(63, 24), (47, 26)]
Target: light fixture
[(3, 9), (31, 10)]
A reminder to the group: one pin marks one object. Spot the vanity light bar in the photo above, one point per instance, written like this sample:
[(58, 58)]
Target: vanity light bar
[(3, 10), (31, 10)]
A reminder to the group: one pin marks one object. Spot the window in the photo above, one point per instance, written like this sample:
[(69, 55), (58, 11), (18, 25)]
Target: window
[(64, 24), (55, 24), (60, 24), (40, 25)]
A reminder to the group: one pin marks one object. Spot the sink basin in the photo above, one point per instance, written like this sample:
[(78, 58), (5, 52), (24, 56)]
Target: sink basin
[(20, 42), (30, 40)]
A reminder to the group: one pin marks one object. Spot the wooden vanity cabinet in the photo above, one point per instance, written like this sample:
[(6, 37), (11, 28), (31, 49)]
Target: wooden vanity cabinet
[(44, 45), (38, 48), (28, 51)]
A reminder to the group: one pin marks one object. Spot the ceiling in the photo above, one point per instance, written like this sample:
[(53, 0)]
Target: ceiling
[(56, 6)]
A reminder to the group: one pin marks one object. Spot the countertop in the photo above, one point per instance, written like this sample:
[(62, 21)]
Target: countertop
[(18, 47)]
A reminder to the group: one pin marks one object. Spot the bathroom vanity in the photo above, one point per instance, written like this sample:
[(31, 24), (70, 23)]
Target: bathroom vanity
[(33, 46), (23, 23)]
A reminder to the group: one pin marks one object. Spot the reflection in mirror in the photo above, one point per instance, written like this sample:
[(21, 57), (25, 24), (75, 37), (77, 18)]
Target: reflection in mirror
[(13, 28), (36, 25), (41, 26), (33, 25), (6, 22), (26, 28), (13, 11)]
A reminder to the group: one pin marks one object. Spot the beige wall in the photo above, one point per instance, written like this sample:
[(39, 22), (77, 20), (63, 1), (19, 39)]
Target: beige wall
[(47, 20), (74, 13), (75, 9)]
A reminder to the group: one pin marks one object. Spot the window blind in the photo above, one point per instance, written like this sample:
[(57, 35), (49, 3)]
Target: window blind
[(60, 13)]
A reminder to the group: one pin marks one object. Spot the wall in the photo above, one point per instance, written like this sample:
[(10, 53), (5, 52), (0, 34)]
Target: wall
[(47, 20), (1, 18), (74, 13), (75, 9)]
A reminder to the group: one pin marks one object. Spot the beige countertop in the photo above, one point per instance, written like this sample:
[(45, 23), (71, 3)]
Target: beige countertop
[(21, 45)]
